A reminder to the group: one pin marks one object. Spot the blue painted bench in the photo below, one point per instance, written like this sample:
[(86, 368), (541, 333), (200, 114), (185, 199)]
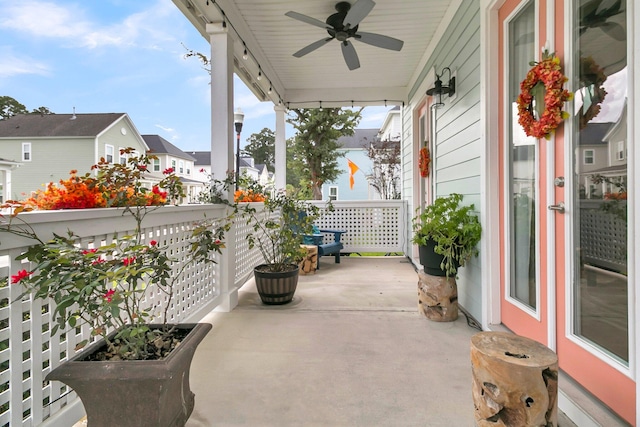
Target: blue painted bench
[(326, 248)]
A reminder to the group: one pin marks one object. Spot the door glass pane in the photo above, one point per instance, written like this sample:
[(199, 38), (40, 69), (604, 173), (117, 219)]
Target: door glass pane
[(522, 164), (600, 174)]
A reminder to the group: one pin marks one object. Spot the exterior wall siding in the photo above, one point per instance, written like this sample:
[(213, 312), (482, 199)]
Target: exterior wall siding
[(457, 158), (53, 158)]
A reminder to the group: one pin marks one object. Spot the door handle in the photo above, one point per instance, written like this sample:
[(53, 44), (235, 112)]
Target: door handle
[(559, 207)]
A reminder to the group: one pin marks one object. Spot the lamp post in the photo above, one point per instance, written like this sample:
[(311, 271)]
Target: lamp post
[(238, 118)]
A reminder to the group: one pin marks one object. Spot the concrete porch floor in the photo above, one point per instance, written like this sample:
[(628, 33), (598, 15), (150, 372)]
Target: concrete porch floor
[(351, 349)]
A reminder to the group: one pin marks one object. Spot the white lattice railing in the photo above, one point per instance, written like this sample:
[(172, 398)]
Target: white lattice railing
[(371, 225), (28, 351)]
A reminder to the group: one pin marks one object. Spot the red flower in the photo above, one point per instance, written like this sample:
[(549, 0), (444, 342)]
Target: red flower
[(89, 251), (98, 261), (129, 261), (153, 243), (168, 171), (142, 167), (202, 170), (155, 189), (22, 274), (109, 295)]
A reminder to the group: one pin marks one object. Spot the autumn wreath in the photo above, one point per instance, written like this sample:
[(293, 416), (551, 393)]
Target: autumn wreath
[(543, 85), (423, 162)]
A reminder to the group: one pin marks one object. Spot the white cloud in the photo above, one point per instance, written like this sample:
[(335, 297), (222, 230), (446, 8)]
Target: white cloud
[(14, 65), (172, 133), (70, 23)]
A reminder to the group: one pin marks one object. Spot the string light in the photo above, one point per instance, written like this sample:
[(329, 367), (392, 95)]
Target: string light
[(270, 89), (260, 73)]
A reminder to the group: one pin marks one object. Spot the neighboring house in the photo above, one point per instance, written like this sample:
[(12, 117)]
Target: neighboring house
[(258, 172), (6, 166), (50, 146), (391, 129), (170, 156), (354, 149), (593, 156)]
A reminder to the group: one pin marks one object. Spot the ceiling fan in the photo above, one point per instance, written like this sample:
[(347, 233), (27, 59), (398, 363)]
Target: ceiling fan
[(343, 26)]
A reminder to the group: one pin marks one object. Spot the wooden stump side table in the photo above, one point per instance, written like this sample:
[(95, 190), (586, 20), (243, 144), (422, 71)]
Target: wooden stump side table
[(515, 381)]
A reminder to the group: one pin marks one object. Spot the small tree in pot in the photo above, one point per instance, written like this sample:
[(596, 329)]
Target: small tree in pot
[(277, 232), (449, 230)]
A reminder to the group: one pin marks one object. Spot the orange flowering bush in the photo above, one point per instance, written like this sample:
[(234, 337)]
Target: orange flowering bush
[(114, 185), (543, 85), (248, 196)]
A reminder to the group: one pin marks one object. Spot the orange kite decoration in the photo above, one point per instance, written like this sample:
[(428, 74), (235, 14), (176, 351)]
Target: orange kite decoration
[(353, 168)]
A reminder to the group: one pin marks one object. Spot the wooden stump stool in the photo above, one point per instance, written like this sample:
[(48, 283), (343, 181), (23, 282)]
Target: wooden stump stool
[(515, 381), (310, 262), (437, 297)]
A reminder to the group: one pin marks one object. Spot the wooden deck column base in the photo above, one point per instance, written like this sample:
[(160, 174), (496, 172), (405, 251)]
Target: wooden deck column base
[(515, 381), (437, 297)]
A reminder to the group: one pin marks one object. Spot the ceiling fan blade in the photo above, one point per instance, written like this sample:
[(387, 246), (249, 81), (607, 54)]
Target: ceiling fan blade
[(379, 40), (313, 46), (358, 12), (307, 19), (350, 55)]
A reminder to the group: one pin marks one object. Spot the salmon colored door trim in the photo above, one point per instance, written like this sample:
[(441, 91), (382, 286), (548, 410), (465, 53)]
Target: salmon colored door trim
[(607, 383), (513, 316)]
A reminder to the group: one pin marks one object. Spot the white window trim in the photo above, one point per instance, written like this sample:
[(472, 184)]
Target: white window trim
[(26, 149), (122, 156), (331, 188), (620, 150), (107, 148), (584, 157), (156, 162)]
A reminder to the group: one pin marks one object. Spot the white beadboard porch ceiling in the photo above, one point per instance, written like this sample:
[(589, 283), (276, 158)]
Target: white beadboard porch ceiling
[(322, 75)]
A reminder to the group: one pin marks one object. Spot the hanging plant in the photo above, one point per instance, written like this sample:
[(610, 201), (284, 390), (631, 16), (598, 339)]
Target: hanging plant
[(592, 77), (423, 162), (542, 94)]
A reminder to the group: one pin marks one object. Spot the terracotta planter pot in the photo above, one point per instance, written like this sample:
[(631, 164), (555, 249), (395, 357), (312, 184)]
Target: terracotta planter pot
[(135, 393), (431, 260), (276, 288)]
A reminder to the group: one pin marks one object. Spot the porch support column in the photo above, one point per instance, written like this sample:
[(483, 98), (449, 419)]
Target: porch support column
[(222, 145), (280, 149)]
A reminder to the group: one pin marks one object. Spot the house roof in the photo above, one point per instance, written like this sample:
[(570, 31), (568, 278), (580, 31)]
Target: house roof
[(594, 134), (57, 125), (203, 158), (159, 145), (359, 139)]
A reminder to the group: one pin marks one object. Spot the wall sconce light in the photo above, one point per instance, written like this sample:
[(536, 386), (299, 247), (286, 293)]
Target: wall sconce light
[(439, 89)]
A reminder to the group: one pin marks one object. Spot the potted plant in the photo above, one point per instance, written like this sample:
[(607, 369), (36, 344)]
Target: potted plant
[(278, 228), (447, 234), (140, 368)]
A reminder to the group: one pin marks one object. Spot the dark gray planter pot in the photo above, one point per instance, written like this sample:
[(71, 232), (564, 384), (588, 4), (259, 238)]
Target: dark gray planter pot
[(135, 393), (431, 260), (276, 288)]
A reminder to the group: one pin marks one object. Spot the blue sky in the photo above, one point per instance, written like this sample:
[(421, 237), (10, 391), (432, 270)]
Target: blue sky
[(104, 56)]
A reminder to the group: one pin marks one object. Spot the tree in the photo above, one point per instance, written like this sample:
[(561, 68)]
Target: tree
[(262, 148), (10, 107), (42, 111), (315, 146), (385, 175)]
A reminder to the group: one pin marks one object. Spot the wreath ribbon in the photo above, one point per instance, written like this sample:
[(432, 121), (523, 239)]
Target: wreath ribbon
[(543, 84)]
